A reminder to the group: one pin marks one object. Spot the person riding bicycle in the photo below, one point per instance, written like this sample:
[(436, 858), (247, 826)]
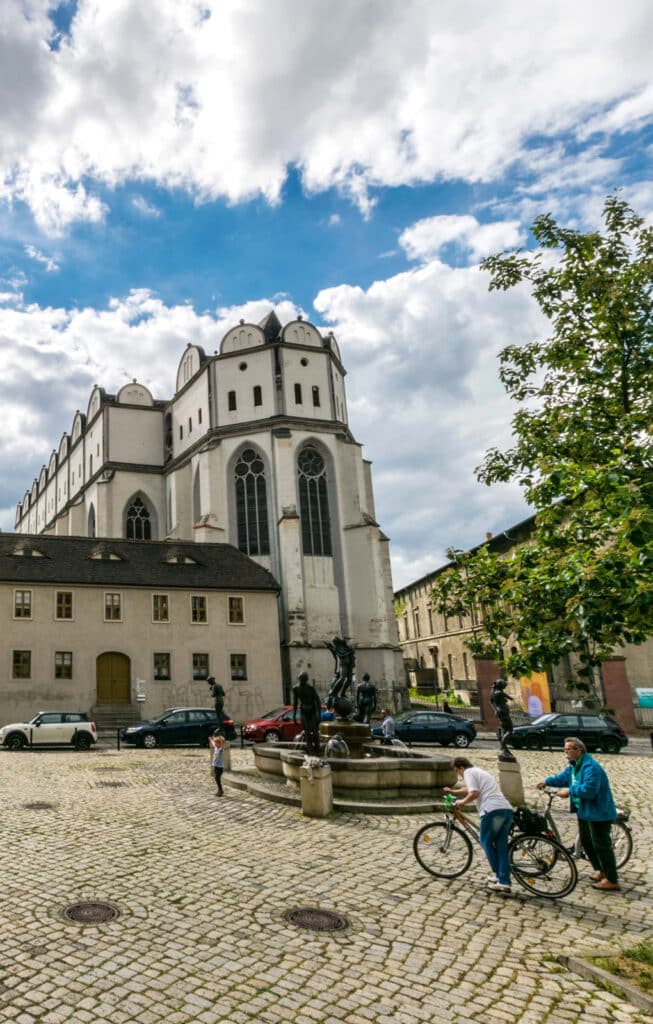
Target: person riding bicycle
[(495, 813), (586, 784)]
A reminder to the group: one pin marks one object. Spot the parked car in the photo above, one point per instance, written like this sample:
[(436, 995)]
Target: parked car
[(432, 727), (178, 726), (274, 726), (598, 732), (51, 729)]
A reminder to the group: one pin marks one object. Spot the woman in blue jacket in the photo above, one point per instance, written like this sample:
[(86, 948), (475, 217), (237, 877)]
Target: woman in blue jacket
[(586, 784)]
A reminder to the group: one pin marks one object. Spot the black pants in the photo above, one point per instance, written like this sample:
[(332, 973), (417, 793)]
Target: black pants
[(218, 777), (597, 843)]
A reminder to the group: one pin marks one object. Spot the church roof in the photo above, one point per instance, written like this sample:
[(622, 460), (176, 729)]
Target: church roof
[(271, 326), (128, 563)]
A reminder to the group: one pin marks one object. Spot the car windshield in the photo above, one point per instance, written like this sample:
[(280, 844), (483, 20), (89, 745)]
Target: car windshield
[(543, 719), (272, 714)]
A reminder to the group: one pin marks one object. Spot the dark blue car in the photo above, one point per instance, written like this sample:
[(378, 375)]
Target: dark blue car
[(432, 727), (190, 726)]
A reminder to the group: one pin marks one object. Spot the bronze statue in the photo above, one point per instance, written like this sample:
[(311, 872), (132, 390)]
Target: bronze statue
[(345, 659), (365, 699), (218, 694), (499, 701), (306, 697)]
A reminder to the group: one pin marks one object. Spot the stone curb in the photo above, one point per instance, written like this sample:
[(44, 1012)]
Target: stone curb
[(589, 970)]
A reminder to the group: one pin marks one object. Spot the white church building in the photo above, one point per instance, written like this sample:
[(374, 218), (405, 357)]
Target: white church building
[(253, 450)]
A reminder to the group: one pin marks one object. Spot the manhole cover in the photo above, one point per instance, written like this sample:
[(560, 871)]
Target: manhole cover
[(91, 913), (316, 920), (38, 805)]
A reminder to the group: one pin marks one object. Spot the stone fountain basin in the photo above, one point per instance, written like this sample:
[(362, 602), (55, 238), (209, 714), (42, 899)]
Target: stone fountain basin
[(374, 777)]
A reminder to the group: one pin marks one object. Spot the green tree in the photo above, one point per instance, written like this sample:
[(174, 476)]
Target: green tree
[(582, 583)]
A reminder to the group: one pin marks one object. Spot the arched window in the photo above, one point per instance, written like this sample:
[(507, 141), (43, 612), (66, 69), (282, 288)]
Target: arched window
[(251, 504), (139, 526), (314, 503)]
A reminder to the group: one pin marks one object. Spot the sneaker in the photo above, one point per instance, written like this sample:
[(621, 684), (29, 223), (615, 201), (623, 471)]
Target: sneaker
[(499, 887), (492, 880)]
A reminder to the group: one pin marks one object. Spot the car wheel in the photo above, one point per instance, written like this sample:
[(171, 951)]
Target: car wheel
[(150, 741), (610, 744), (82, 742), (272, 736), (461, 740), (16, 741)]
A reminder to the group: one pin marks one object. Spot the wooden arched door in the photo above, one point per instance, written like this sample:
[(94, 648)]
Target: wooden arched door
[(113, 675)]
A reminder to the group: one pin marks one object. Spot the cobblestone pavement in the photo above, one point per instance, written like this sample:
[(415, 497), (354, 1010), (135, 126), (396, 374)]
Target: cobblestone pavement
[(202, 883)]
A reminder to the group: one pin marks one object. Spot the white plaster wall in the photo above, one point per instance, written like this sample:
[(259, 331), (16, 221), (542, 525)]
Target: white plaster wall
[(316, 372), (135, 435), (229, 377), (185, 408)]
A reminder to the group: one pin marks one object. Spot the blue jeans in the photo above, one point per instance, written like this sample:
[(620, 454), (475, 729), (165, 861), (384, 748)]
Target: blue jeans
[(495, 827)]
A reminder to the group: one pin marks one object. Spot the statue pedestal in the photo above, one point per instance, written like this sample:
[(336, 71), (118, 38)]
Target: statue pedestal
[(355, 734), (316, 791), (226, 755), (510, 782)]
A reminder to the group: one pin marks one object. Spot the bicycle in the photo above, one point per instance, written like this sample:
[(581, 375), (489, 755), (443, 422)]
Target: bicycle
[(620, 832), (540, 864)]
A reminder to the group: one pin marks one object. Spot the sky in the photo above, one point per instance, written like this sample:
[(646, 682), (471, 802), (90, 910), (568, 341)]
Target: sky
[(170, 166)]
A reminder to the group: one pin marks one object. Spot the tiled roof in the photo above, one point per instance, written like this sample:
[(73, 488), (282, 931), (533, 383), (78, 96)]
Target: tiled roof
[(128, 563)]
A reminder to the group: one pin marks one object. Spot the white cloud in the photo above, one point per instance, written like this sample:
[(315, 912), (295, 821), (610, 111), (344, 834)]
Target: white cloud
[(143, 207), (222, 105), (429, 236), (34, 254)]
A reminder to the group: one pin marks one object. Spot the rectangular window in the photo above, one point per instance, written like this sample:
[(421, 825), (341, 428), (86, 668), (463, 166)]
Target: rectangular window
[(416, 619), (64, 605), (22, 604), (298, 394), (181, 432), (63, 665), (112, 608), (161, 665), (258, 395), (22, 665), (190, 425), (239, 666), (236, 611), (160, 609), (199, 415), (231, 401), (197, 608), (316, 396), (200, 666)]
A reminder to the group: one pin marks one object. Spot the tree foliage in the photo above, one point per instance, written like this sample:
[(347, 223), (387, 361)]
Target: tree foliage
[(583, 452)]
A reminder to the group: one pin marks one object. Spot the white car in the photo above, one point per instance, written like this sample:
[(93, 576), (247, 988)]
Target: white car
[(49, 729)]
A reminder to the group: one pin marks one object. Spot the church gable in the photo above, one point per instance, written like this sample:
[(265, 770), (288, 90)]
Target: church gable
[(190, 363)]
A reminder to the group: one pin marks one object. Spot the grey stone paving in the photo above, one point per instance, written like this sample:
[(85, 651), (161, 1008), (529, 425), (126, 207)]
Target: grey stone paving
[(202, 884)]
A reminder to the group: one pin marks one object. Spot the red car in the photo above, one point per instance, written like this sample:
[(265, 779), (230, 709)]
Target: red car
[(273, 727)]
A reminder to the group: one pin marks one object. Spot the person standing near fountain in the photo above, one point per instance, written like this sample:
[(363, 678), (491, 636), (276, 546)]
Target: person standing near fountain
[(387, 728), (306, 697)]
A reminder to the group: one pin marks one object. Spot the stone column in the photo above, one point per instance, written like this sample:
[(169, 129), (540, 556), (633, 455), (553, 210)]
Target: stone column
[(316, 791), (510, 782), (618, 694), (226, 755)]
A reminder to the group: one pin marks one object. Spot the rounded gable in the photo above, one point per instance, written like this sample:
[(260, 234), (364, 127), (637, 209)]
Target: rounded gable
[(94, 402), (64, 446), (190, 363), (243, 336), (134, 394), (78, 427), (301, 332)]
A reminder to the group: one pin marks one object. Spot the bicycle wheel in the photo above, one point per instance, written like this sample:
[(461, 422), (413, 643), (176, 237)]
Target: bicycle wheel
[(542, 866), (622, 842), (443, 850)]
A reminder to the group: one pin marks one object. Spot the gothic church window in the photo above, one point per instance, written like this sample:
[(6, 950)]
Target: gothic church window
[(251, 504), (139, 526), (314, 503)]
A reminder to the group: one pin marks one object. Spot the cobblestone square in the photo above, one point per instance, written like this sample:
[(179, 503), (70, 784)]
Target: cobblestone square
[(201, 884)]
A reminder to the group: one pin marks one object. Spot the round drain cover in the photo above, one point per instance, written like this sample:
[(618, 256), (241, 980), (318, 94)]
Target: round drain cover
[(316, 920), (91, 913), (38, 805)]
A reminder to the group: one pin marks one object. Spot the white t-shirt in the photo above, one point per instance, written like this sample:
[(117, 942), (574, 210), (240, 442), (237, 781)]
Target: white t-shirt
[(490, 797)]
